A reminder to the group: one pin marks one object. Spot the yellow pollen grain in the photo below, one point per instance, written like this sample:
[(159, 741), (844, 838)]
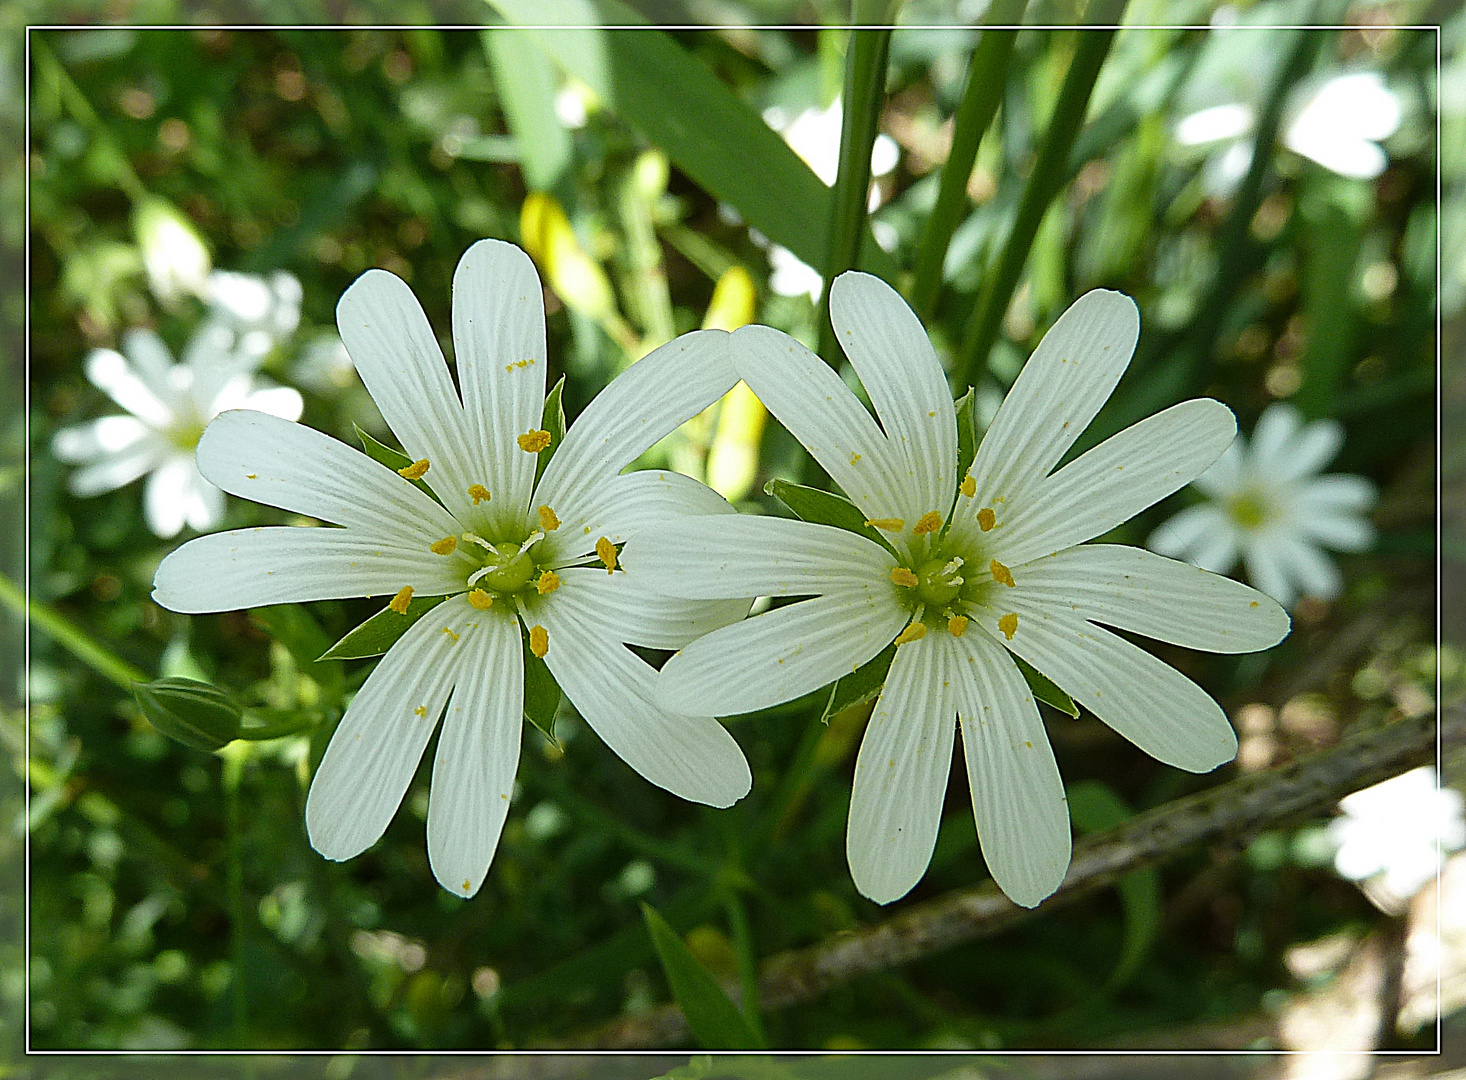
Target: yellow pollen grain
[(968, 486), (914, 632), (854, 458), (957, 625), (1009, 625), (548, 521), (533, 441), (449, 631), (416, 471), (539, 641), (518, 365), (904, 577), (445, 546), (478, 493), (930, 522), (401, 600), (549, 581), (467, 885), (1253, 604), (251, 476), (607, 553), (986, 519), (1001, 573), (421, 712), (887, 524), (479, 599)]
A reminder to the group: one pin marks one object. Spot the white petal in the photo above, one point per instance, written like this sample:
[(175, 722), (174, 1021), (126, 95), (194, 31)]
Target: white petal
[(1161, 598), (499, 343), (1342, 532), (1272, 435), (901, 771), (1017, 795), (692, 756), (744, 555), (1306, 564), (899, 369), (113, 472), (1147, 701), (380, 740), (148, 357), (1308, 451), (394, 350), (109, 372), (288, 564), (1335, 494), (622, 507), (1217, 551), (1210, 125), (203, 506), (779, 655), (282, 401), (638, 616), (1115, 480), (1224, 476), (98, 440), (166, 497), (1187, 531), (820, 411), (1345, 154), (478, 754), (648, 400), (272, 461), (1268, 571)]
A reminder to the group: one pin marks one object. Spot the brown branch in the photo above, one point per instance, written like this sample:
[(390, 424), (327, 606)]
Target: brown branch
[(1235, 809)]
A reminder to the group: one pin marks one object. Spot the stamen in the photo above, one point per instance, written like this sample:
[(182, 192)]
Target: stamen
[(530, 541), (930, 522), (957, 625), (887, 524), (607, 552), (548, 521), (475, 538), (1001, 573), (480, 572), (968, 486), (904, 577), (401, 600), (549, 581), (986, 519), (914, 631), (479, 599), (1009, 625), (445, 546), (478, 493), (952, 566), (539, 641), (415, 471), (533, 441)]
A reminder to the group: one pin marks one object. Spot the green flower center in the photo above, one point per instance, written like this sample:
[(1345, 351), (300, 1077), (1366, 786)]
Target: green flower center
[(1248, 510), (939, 580), (512, 573)]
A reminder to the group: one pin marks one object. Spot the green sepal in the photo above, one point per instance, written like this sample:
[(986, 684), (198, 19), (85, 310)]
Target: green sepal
[(553, 421), (1045, 690), (823, 508), (541, 691), (860, 685), (379, 633), (966, 432), (194, 713), (393, 459), (715, 1021)]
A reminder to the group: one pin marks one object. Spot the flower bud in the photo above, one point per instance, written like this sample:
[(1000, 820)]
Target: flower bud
[(193, 713)]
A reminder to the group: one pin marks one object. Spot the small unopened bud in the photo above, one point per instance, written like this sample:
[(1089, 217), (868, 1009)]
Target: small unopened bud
[(193, 713)]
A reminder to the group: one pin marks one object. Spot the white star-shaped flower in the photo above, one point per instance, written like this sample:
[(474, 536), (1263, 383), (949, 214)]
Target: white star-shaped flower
[(1392, 835), (977, 571), (503, 547), (1267, 503), (168, 405)]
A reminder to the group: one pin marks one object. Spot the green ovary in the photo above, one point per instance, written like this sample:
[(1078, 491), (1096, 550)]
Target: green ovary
[(939, 581), (514, 573), (1248, 510)]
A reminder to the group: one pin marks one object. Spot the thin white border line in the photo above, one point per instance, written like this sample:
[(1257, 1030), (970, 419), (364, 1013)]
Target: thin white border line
[(1439, 776), (681, 27), (26, 543)]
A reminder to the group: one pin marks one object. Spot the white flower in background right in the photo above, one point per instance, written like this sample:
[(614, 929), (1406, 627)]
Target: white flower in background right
[(1267, 504)]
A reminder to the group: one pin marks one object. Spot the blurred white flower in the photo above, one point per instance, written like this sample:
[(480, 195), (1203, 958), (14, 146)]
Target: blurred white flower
[(1268, 504), (174, 255), (325, 366), (168, 406), (1393, 835), (260, 310), (789, 275)]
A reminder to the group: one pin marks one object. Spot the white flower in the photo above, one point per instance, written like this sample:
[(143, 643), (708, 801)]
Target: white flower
[(174, 256), (964, 585), (502, 547), (1268, 504), (261, 311), (169, 405), (1393, 835)]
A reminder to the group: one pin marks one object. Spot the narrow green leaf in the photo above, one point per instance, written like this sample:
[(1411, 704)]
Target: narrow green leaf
[(553, 421), (860, 685), (525, 81), (715, 1021), (379, 633), (393, 459), (541, 691), (966, 432), (823, 508), (194, 713), (1045, 690)]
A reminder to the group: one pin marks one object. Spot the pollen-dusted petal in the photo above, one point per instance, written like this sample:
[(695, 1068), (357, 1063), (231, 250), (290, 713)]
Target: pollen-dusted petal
[(539, 641), (606, 552), (968, 487), (480, 600), (915, 631), (1001, 573), (533, 441), (416, 471), (478, 493), (887, 524), (1008, 624), (904, 577), (445, 546), (956, 625), (401, 600), (930, 522), (986, 519), (548, 582), (548, 521)]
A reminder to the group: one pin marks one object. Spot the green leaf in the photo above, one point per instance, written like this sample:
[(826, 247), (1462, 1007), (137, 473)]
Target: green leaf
[(553, 421), (715, 1021), (393, 459), (525, 81), (966, 432), (379, 633), (541, 691), (191, 712), (823, 508), (860, 685), (1045, 690)]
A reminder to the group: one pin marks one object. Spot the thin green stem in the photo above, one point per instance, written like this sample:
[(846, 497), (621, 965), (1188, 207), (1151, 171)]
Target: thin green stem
[(1044, 185), (82, 112), (232, 776), (985, 79), (97, 657)]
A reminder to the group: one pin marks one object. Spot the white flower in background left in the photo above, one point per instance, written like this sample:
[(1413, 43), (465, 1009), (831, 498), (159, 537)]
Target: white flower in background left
[(168, 406)]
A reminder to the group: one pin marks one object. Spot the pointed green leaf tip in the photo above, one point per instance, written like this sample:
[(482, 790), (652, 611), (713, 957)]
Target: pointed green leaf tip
[(395, 460), (379, 633), (193, 713), (1044, 689), (553, 421), (823, 508), (715, 1021), (541, 691)]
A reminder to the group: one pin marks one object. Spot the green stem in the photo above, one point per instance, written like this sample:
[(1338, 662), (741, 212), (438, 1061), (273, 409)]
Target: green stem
[(100, 659), (985, 80), (1044, 184), (233, 773), (82, 112)]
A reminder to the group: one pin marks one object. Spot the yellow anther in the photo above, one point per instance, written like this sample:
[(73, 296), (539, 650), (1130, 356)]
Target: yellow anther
[(1009, 625), (1001, 573), (421, 712), (914, 631), (478, 493), (854, 458), (415, 471), (449, 631), (549, 581), (986, 519), (968, 486), (607, 552), (930, 522), (401, 600), (548, 521), (904, 577), (887, 524), (445, 546), (539, 641), (533, 441), (957, 625), (479, 599)]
